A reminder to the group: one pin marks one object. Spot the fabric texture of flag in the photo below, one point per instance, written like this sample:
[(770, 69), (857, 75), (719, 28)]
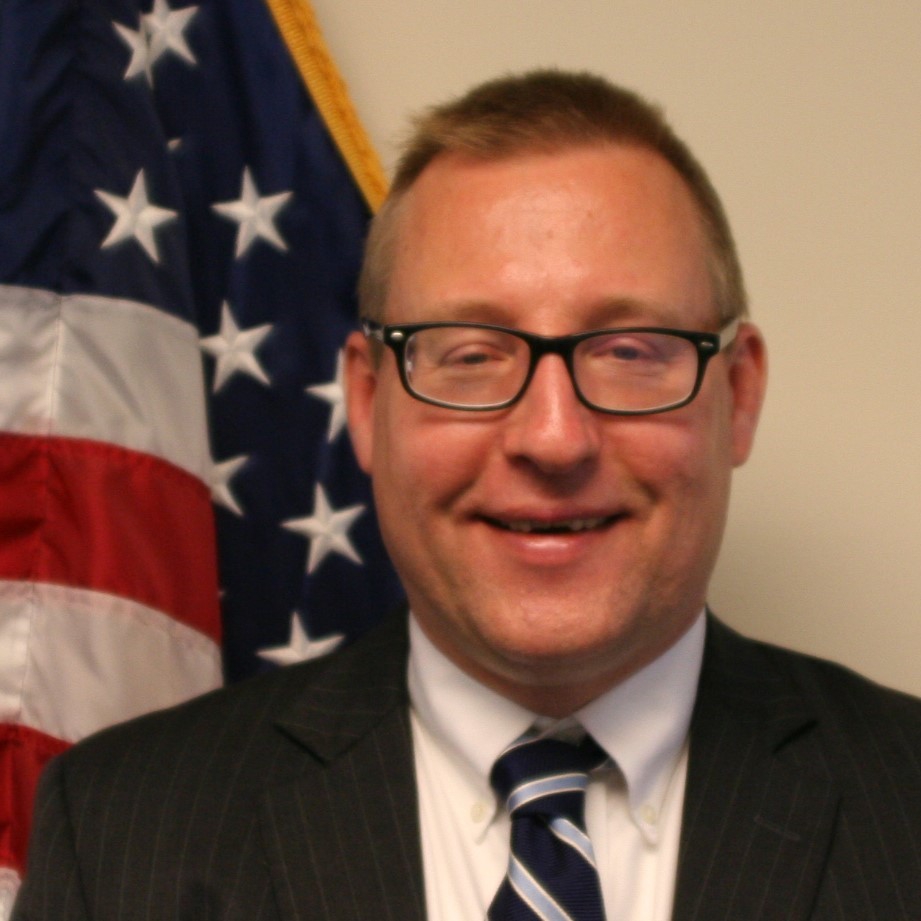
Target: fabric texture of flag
[(181, 223)]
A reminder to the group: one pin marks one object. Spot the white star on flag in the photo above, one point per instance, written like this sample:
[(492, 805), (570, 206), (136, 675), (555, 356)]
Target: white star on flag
[(141, 62), (255, 214), (221, 475), (135, 217), (165, 28), (334, 394), (327, 530), (300, 646), (234, 349), (162, 30)]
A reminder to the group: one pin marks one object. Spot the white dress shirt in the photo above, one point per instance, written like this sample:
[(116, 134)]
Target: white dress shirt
[(633, 807)]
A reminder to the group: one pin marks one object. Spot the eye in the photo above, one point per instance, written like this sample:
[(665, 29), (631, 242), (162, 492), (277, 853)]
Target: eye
[(627, 349), (471, 355), (626, 352), (466, 349), (624, 356)]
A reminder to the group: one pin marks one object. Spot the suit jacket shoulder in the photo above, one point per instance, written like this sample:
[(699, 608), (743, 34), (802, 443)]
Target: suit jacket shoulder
[(285, 797), (804, 791)]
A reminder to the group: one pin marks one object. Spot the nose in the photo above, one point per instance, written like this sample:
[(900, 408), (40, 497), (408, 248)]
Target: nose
[(549, 426)]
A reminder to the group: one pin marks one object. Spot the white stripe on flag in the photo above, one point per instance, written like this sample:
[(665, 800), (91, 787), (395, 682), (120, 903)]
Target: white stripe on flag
[(73, 661), (106, 369)]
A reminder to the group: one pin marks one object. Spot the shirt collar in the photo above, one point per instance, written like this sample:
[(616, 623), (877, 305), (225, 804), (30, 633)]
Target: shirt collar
[(642, 723), (444, 697)]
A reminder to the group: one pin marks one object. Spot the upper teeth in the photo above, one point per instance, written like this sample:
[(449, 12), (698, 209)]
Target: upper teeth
[(576, 524)]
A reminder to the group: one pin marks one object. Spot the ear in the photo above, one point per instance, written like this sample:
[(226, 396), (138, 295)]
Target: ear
[(748, 380), (360, 388)]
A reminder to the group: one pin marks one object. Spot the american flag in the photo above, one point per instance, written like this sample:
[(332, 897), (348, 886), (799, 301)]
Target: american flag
[(184, 192)]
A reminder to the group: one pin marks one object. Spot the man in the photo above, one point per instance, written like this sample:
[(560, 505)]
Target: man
[(555, 380)]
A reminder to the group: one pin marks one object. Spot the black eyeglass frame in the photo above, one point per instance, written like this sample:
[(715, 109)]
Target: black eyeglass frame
[(708, 345)]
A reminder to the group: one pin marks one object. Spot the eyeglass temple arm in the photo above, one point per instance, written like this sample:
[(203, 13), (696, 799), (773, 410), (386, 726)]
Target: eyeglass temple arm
[(728, 334)]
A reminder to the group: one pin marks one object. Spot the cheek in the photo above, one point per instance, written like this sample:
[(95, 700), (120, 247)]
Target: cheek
[(399, 472), (684, 458), (684, 472), (423, 461)]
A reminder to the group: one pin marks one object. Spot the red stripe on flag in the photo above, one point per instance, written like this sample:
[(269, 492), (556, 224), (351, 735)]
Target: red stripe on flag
[(96, 516), (23, 754)]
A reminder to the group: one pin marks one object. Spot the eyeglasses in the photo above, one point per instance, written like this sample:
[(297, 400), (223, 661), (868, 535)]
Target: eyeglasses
[(478, 366)]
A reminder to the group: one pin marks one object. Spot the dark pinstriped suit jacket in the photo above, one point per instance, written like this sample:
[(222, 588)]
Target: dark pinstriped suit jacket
[(292, 797)]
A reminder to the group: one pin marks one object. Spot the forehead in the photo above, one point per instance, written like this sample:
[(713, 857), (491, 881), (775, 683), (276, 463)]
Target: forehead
[(567, 232)]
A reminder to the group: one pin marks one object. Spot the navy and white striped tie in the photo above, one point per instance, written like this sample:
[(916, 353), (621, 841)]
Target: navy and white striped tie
[(551, 874)]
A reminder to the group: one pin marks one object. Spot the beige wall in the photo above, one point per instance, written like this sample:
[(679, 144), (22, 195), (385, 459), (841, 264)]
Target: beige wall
[(808, 116)]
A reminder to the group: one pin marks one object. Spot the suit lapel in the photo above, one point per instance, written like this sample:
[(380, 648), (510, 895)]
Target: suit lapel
[(343, 839), (758, 818)]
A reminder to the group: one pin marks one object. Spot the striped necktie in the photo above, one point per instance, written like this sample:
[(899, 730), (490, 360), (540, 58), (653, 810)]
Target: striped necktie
[(551, 873)]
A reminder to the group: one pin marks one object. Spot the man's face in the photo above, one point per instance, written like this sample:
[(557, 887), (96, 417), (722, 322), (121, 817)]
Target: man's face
[(551, 550)]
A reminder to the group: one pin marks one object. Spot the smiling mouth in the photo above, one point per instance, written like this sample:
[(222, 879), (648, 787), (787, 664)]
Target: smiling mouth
[(570, 526)]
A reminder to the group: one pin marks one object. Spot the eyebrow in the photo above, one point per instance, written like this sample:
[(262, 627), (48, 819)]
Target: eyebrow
[(620, 311)]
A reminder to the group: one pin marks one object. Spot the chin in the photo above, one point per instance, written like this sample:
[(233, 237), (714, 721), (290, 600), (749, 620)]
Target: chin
[(559, 648)]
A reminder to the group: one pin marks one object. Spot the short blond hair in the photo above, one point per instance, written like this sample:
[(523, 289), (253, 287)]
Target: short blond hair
[(547, 111)]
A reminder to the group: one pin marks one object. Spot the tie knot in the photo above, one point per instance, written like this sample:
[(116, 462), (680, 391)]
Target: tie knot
[(545, 776)]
